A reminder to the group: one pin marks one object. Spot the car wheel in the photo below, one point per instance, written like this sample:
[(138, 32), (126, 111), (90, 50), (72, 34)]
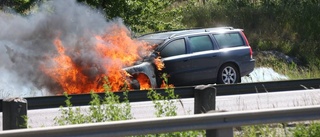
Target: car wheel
[(134, 84), (228, 74)]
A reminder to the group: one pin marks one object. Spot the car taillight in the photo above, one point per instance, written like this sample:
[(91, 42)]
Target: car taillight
[(250, 51), (247, 43)]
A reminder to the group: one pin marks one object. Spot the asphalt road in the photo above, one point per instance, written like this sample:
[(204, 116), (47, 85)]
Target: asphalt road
[(44, 117)]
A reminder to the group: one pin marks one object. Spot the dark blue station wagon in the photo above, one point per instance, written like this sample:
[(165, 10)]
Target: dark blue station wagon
[(198, 56)]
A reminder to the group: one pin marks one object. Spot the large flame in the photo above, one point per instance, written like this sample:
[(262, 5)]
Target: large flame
[(67, 74), (115, 50)]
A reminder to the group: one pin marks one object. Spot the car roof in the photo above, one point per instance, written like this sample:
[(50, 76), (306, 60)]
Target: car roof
[(161, 36)]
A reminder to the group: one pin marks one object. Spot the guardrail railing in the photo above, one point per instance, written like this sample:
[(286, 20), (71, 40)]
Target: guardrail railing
[(183, 92), (173, 124), (14, 109)]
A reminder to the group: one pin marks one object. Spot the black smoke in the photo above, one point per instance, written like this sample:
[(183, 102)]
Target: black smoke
[(26, 42)]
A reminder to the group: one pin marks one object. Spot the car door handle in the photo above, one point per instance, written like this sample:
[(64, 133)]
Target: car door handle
[(185, 60)]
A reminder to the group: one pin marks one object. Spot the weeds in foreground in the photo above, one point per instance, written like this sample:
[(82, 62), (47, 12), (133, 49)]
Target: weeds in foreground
[(166, 105), (312, 130), (265, 130), (110, 108)]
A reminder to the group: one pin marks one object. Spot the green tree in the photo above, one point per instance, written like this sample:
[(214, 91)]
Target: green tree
[(141, 15)]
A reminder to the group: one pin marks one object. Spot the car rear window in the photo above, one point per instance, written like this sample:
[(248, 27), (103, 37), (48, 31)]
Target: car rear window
[(176, 47), (226, 40), (200, 43)]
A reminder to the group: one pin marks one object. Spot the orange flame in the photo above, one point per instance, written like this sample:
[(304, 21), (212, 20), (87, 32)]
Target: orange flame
[(144, 81), (67, 74), (158, 62), (125, 53), (160, 65), (115, 49), (165, 85)]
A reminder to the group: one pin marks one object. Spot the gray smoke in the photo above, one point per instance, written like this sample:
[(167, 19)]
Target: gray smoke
[(26, 42)]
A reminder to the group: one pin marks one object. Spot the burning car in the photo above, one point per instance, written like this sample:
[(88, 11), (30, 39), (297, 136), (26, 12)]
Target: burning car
[(219, 55)]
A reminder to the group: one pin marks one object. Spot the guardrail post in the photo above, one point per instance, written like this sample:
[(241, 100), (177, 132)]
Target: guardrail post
[(204, 99), (205, 102), (14, 113)]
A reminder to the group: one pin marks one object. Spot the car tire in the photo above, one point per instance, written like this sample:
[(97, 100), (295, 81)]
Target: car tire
[(228, 74), (135, 84)]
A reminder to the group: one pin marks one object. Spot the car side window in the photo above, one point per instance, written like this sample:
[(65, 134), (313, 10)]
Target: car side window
[(200, 43), (176, 47), (229, 40)]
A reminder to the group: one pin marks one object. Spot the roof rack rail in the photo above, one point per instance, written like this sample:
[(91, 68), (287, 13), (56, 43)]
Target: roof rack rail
[(170, 30), (215, 28), (176, 31), (172, 36)]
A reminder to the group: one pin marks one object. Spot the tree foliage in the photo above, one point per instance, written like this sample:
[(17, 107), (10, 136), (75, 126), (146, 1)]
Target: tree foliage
[(141, 15), (20, 6)]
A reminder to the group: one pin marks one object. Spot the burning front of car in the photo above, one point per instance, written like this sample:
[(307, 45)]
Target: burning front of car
[(111, 53)]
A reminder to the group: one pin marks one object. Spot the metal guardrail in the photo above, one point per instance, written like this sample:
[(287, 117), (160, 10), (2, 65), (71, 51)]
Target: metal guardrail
[(172, 124), (204, 100), (182, 92)]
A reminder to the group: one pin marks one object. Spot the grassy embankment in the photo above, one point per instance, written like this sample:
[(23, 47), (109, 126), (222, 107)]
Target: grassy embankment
[(290, 27)]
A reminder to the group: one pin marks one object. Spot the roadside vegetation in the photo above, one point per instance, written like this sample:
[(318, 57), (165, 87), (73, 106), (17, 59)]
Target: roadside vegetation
[(288, 27), (290, 68), (109, 108)]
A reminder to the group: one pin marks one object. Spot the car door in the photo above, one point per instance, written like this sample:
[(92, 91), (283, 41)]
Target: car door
[(174, 56), (204, 59)]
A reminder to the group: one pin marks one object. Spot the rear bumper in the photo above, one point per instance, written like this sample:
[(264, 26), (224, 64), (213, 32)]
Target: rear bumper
[(247, 67)]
